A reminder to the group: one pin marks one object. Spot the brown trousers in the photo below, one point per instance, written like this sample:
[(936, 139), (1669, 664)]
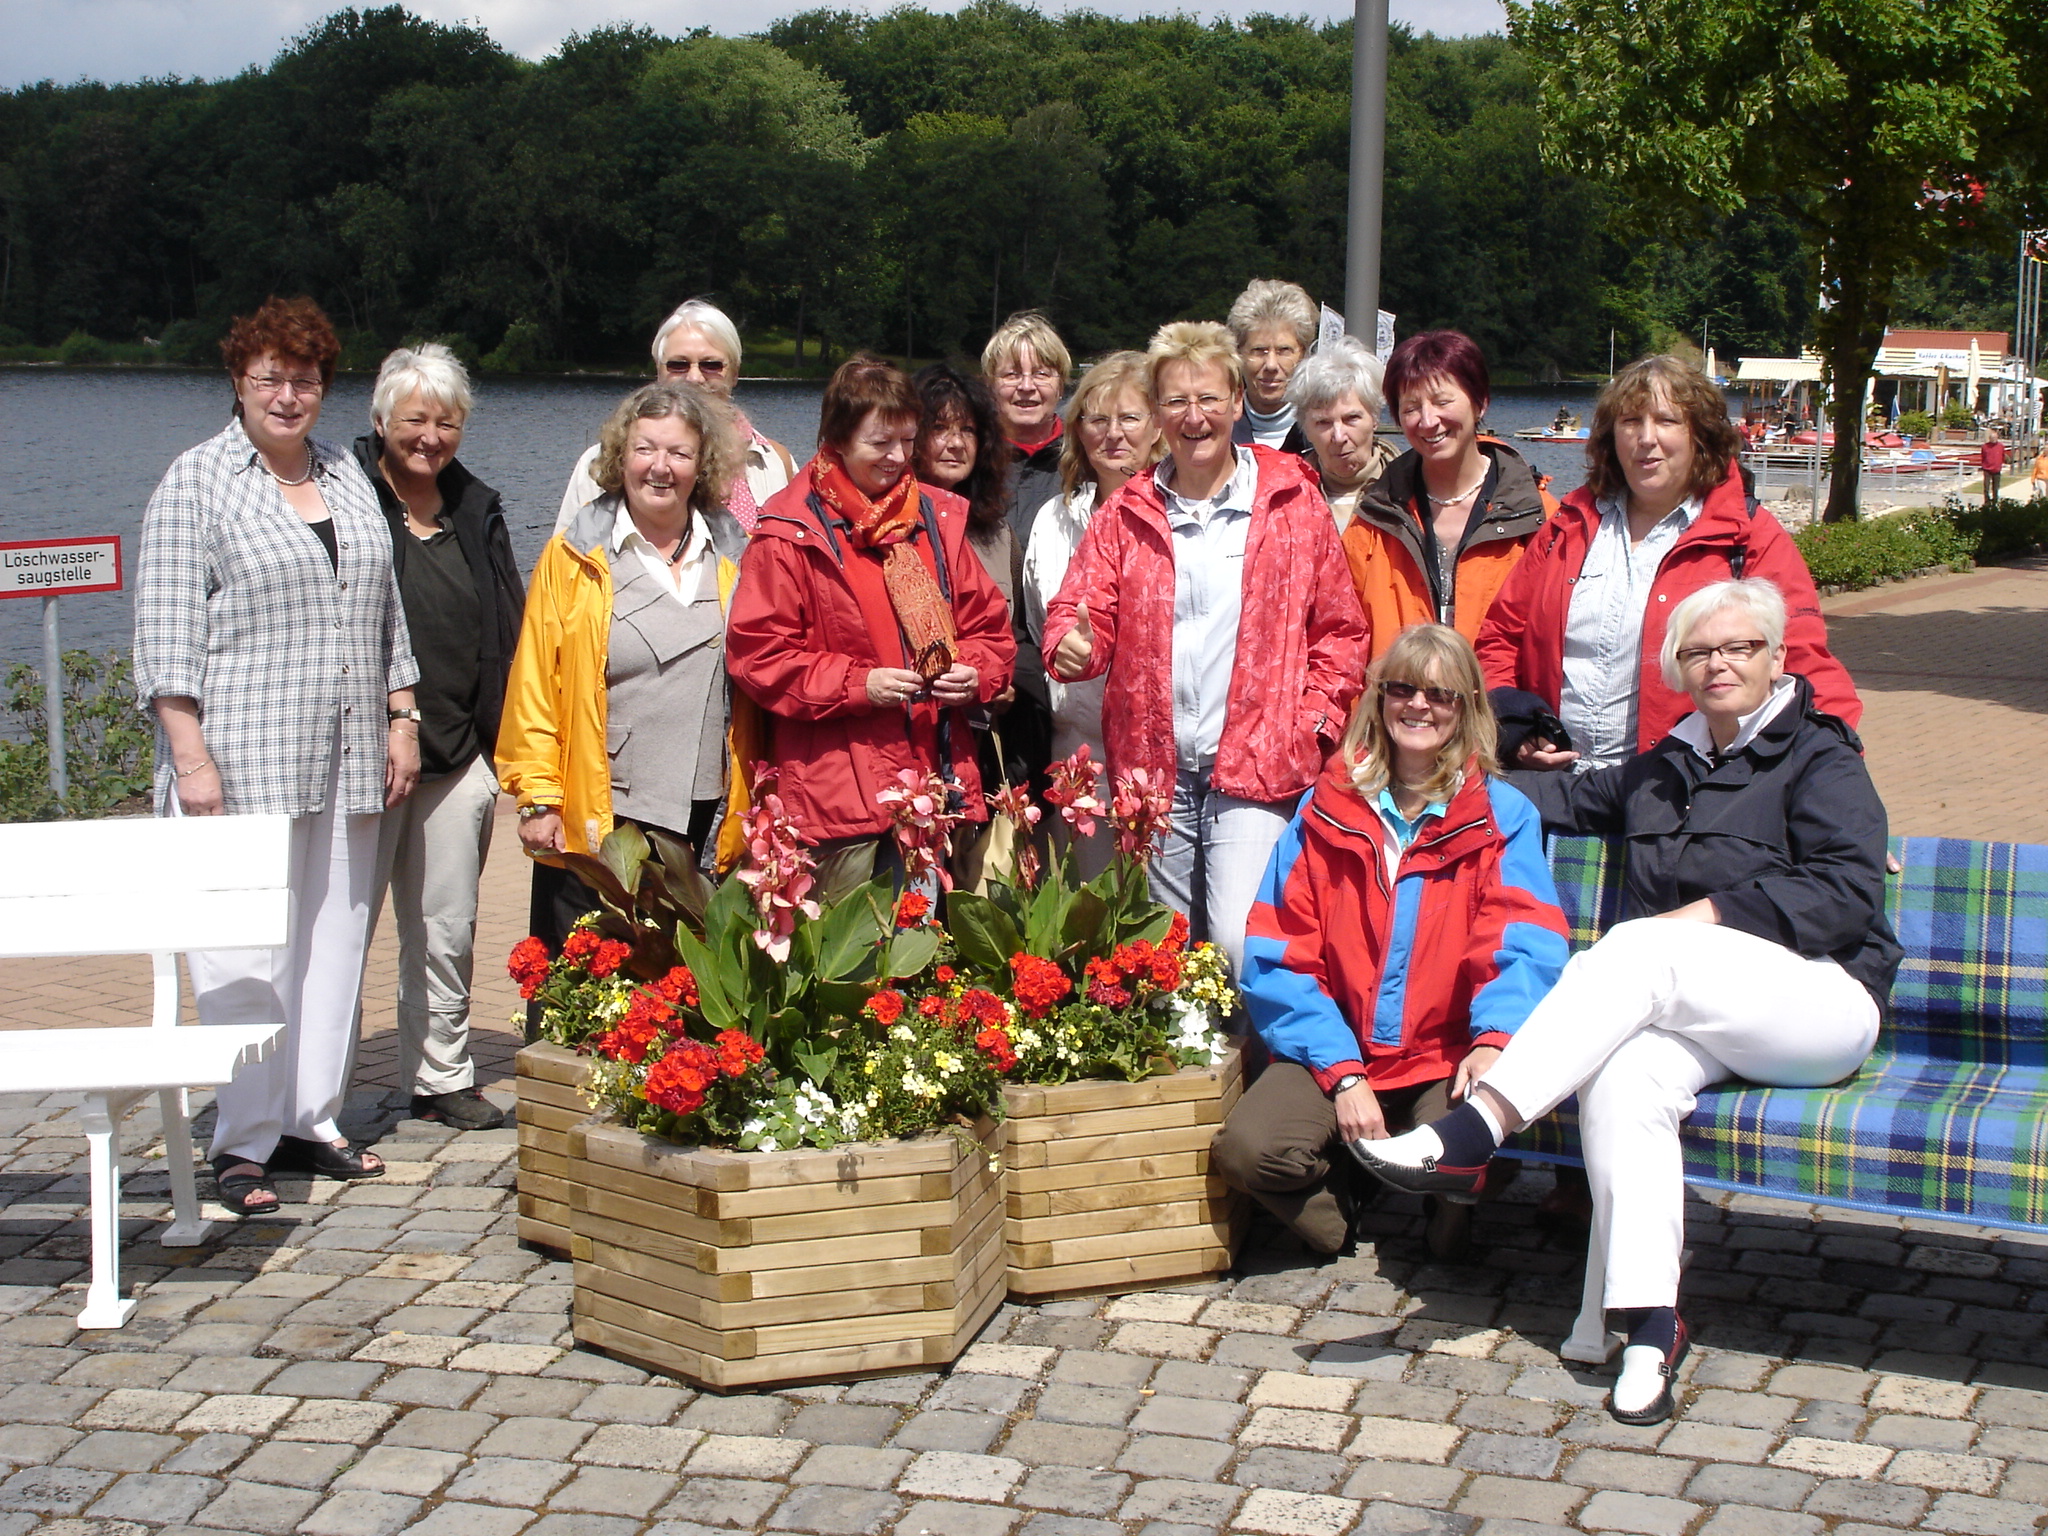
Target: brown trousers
[(1280, 1147)]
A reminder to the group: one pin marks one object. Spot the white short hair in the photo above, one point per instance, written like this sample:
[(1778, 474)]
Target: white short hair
[(1267, 304), (1758, 597), (697, 315), (428, 369), (1346, 366)]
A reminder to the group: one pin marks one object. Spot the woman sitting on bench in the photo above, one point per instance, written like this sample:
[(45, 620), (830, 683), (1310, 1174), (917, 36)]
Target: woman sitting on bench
[(1755, 854)]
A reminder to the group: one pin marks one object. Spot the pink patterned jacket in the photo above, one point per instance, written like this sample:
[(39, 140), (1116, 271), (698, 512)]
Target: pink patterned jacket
[(1301, 642)]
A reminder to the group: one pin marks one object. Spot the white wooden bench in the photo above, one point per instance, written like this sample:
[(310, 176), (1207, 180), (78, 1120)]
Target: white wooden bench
[(138, 886)]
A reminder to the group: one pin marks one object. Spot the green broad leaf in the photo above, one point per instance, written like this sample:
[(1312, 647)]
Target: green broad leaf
[(818, 1065), (1010, 900), (625, 852), (844, 870), (845, 938), (1045, 918), (1151, 925), (837, 1000), (598, 875), (910, 952), (681, 882), (1087, 924), (717, 982), (983, 933)]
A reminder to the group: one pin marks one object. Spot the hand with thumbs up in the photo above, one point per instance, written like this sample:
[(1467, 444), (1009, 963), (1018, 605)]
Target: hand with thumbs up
[(1071, 656)]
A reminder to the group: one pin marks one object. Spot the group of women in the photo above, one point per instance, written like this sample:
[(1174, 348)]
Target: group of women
[(1373, 681)]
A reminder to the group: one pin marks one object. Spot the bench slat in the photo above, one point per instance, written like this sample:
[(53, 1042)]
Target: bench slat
[(88, 1060)]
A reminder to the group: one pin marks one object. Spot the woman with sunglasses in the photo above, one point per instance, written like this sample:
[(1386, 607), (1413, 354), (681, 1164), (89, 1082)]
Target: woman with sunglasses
[(1759, 949), (699, 345), (1406, 925)]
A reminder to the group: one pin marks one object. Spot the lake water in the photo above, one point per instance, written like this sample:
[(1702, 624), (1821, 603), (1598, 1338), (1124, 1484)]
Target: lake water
[(87, 446)]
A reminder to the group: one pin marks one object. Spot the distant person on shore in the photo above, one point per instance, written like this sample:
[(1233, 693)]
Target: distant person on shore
[(1029, 368), (1336, 400), (1274, 326), (1212, 595), (463, 599), (1993, 457), (698, 345), (1578, 623), (2038, 480), (270, 641), (1111, 435), (1439, 530)]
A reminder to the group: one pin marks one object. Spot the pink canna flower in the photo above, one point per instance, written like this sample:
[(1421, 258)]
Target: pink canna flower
[(780, 873), (1015, 803), (921, 822), (1140, 813), (1076, 790)]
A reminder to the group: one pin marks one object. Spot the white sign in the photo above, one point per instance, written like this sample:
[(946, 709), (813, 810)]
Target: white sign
[(1331, 325), (1386, 336), (53, 567)]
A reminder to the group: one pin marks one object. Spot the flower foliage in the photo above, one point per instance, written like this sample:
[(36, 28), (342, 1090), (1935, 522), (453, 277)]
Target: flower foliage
[(779, 872), (921, 819), (1075, 791)]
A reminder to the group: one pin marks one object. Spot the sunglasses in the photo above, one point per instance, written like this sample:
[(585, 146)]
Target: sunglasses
[(710, 367), (1401, 693)]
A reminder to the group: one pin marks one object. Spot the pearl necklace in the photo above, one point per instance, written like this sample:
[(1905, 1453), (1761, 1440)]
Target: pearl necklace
[(280, 479), (1446, 501)]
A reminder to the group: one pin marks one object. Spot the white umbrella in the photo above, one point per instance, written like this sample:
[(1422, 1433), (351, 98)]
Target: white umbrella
[(1976, 359)]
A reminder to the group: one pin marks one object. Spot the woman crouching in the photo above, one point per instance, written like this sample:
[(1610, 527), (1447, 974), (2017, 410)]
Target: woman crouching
[(1406, 925), (1756, 849)]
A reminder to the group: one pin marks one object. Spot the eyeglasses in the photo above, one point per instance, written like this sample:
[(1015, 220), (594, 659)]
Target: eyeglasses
[(1016, 376), (709, 367), (1130, 421), (1439, 698), (1693, 657), (272, 384), (1209, 405)]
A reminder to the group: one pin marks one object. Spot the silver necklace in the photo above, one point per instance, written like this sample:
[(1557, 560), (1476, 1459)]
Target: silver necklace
[(280, 479), (1445, 501)]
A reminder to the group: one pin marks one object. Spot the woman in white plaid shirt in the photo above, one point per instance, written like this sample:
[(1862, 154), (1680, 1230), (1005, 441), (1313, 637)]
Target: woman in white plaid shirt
[(271, 644)]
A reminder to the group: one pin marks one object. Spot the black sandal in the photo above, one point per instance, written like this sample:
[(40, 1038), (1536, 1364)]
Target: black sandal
[(326, 1159), (236, 1188)]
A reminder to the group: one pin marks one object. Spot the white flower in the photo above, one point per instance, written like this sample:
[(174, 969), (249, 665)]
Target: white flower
[(767, 1144), (901, 1032), (754, 1127)]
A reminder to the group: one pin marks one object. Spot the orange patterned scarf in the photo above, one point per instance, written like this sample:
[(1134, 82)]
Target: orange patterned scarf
[(886, 526)]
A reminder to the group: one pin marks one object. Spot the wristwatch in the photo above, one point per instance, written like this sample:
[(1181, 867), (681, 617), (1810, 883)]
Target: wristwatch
[(404, 714), (531, 812), (1348, 1081)]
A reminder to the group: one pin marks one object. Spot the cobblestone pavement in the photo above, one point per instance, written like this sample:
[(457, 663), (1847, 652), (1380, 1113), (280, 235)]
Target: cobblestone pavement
[(385, 1356)]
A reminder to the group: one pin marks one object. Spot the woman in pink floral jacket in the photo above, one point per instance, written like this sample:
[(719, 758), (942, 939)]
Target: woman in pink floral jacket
[(1213, 593)]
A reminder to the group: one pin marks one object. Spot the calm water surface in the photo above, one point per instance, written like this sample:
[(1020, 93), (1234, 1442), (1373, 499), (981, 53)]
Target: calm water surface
[(87, 446)]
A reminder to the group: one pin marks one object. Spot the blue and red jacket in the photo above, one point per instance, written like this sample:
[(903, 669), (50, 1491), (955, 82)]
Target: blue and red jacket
[(1357, 961)]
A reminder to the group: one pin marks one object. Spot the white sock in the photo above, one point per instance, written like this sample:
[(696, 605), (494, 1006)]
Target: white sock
[(1500, 1132), (1641, 1378)]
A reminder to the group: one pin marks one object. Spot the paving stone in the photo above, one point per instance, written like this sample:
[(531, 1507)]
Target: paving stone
[(952, 1475), (440, 1429), (825, 1510), (1933, 1469), (53, 1490), (619, 1403), (1511, 1415), (325, 1378), (1206, 1419), (120, 1450), (401, 1470), (613, 1491), (759, 1415), (1973, 1516), (115, 1369), (1276, 1512), (1831, 1458), (224, 1374), (641, 1445), (846, 1424), (1173, 1456), (1163, 1340), (296, 1465), (1861, 1499), (851, 1466), (929, 1517), (1743, 1520), (534, 1439), (1404, 1440), (156, 1497), (1749, 1410), (724, 1501), (1824, 1382), (1298, 1428), (1770, 1487), (1406, 1482), (970, 1433), (39, 1403), (358, 1513), (1516, 1498), (532, 1396), (34, 1444), (1064, 1403), (1639, 1512), (430, 1388), (264, 1507), (1917, 1432), (1100, 1368), (1508, 1455), (980, 1393), (1068, 1525), (1628, 1471), (1284, 1389), (207, 1455), (337, 1421), (1272, 1466), (515, 1481), (1034, 1442), (755, 1456), (139, 1408), (583, 1525), (471, 1520), (238, 1413)]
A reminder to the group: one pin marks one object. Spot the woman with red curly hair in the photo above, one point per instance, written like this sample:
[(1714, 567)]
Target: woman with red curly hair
[(271, 645)]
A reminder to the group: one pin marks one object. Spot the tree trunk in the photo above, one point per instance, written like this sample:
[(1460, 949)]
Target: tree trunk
[(1849, 335), (799, 327)]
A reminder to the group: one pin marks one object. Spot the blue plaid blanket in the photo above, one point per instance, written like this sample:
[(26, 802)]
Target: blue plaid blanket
[(1949, 1117)]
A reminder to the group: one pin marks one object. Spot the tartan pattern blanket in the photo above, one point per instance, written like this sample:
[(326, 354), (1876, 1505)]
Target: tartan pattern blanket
[(1949, 1117)]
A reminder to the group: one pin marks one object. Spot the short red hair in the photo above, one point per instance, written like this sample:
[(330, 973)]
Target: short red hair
[(1439, 355), (862, 384), (295, 329)]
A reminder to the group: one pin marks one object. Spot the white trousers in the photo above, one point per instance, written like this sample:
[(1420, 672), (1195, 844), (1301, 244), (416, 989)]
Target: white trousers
[(311, 984), (1655, 1011), (430, 857), (1210, 865)]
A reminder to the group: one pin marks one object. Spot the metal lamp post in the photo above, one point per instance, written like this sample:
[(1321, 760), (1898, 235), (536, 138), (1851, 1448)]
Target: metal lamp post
[(1368, 169)]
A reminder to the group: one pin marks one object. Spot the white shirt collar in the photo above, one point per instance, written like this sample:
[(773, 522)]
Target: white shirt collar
[(626, 536), (1614, 507), (1693, 730), (1237, 495)]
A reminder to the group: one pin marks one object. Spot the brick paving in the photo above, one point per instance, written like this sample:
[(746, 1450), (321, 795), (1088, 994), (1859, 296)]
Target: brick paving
[(385, 1357)]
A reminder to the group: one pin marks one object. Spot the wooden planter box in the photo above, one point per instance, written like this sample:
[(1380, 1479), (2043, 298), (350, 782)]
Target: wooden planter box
[(1107, 1185), (550, 1084), (742, 1269)]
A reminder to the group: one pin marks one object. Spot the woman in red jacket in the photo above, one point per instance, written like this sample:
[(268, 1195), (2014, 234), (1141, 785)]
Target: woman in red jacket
[(1663, 513), (863, 622), (1214, 595)]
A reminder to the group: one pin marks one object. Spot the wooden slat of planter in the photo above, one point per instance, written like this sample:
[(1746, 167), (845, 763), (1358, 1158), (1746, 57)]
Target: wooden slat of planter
[(1094, 1094), (547, 1125), (1079, 1250), (1070, 1202), (713, 1258), (556, 1096), (717, 1311), (909, 1209), (1150, 1217), (783, 1202), (705, 1168), (545, 1062), (1177, 1165), (813, 1281), (1132, 1272), (734, 1376), (1105, 1122), (1064, 1154)]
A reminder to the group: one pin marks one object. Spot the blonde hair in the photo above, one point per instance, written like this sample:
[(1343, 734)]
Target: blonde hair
[(1201, 343), (1027, 328), (429, 370), (1109, 377), (1266, 304), (718, 450), (1757, 597), (1428, 655)]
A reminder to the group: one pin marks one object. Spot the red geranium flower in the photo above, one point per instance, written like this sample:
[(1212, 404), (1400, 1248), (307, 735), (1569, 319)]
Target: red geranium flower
[(737, 1051), (678, 986), (982, 1007), (611, 954), (885, 1007), (1176, 933), (581, 944), (912, 908), (1039, 984), (529, 965), (1105, 985), (945, 975), (994, 1043), (677, 1082)]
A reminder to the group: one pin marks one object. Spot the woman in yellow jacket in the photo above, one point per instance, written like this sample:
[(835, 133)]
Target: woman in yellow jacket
[(617, 708)]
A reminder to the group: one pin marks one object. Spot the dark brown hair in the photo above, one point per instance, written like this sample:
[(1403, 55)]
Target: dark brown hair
[(947, 394), (864, 383), (1438, 355), (1715, 439), (287, 328)]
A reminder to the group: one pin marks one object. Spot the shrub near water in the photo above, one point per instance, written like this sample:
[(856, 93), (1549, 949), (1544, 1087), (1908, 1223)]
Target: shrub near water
[(1863, 554), (107, 743)]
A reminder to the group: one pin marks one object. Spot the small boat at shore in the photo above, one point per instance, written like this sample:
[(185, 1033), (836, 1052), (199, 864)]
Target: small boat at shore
[(1545, 435)]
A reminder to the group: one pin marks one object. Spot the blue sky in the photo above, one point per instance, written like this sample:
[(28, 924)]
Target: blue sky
[(119, 40)]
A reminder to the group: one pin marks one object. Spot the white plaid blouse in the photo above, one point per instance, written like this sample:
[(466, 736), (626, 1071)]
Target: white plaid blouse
[(237, 607)]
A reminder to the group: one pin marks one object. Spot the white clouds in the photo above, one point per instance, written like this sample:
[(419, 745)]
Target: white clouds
[(116, 40)]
